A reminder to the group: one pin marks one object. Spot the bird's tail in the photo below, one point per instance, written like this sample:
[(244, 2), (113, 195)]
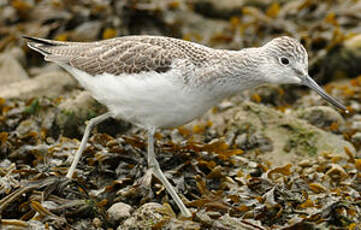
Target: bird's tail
[(41, 45), (49, 48)]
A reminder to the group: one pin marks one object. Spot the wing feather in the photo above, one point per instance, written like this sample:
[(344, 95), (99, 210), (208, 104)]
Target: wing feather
[(129, 54)]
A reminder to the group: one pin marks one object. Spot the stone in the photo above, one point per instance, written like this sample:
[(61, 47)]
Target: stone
[(97, 223), (175, 224), (77, 108), (49, 67), (8, 14), (320, 116), (228, 222), (10, 69), (18, 54), (147, 216), (356, 139), (27, 126), (119, 211), (226, 8), (197, 28), (87, 31), (356, 125), (79, 104), (51, 84), (342, 61)]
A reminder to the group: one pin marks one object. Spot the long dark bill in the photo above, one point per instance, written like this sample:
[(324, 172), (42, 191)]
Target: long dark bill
[(309, 82)]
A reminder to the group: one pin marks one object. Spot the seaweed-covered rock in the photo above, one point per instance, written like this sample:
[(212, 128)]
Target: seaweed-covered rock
[(289, 139), (79, 107), (74, 111)]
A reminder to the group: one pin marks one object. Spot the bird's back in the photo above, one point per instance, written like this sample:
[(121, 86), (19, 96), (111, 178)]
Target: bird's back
[(128, 54)]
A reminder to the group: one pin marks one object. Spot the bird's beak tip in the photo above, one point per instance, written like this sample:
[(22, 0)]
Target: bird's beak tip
[(308, 81)]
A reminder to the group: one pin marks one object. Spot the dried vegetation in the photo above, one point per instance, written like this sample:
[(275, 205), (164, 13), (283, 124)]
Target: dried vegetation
[(218, 169)]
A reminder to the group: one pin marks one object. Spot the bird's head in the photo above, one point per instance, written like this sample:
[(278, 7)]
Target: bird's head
[(286, 62)]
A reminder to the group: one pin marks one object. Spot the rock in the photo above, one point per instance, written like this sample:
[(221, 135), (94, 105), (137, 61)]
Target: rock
[(336, 172), (320, 116), (81, 103), (228, 222), (87, 31), (342, 61), (27, 126), (75, 110), (356, 139), (83, 224), (292, 139), (354, 43), (119, 211), (147, 216), (81, 107), (47, 12), (49, 67), (197, 28), (356, 125), (35, 224), (10, 68), (203, 217), (18, 54), (8, 14), (226, 8), (312, 99), (182, 224), (97, 223), (47, 84), (268, 94)]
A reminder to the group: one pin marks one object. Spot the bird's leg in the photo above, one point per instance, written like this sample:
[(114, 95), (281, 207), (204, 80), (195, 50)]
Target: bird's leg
[(92, 122), (154, 166)]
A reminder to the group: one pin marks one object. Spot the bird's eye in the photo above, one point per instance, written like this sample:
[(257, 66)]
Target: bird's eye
[(284, 61)]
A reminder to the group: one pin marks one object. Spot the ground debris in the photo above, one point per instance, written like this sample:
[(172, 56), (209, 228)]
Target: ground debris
[(232, 168)]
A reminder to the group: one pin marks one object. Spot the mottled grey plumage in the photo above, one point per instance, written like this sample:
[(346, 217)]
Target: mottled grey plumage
[(130, 54), (161, 82)]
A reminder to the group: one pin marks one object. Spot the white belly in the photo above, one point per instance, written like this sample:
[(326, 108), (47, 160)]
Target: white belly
[(159, 100)]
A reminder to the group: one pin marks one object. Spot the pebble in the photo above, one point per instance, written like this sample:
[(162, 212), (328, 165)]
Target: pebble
[(146, 217), (119, 211), (356, 138)]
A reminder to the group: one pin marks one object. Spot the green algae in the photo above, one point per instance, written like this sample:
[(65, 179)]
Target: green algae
[(301, 140)]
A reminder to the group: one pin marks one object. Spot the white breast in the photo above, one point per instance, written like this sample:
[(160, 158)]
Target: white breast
[(151, 99)]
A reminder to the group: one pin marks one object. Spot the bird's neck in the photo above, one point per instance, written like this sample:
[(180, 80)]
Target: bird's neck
[(238, 71)]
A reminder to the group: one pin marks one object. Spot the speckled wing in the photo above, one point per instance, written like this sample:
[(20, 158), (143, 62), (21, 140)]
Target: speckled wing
[(130, 54)]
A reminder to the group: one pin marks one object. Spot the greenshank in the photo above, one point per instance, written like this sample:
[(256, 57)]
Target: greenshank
[(162, 82)]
